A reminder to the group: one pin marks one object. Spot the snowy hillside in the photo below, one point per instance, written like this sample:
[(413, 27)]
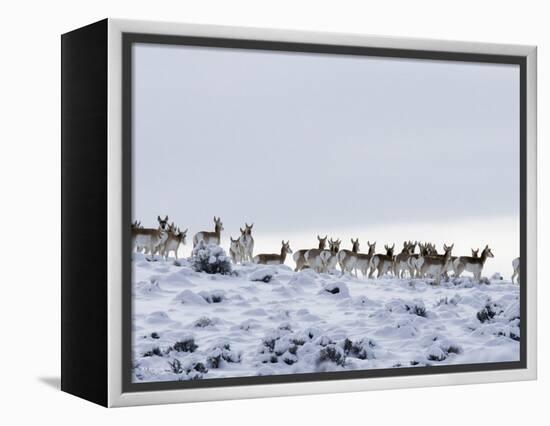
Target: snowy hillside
[(270, 320)]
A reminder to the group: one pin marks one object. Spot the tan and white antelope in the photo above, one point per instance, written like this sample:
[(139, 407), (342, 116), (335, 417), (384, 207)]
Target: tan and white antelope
[(363, 260), (347, 259), (210, 237), (175, 238), (273, 258), (320, 259), (516, 266), (382, 262), (235, 250), (298, 255), (473, 264), (329, 257), (246, 243), (416, 259), (150, 239), (401, 263), (436, 265)]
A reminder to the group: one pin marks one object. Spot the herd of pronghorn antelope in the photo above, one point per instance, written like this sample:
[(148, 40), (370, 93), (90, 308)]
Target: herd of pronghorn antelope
[(167, 238)]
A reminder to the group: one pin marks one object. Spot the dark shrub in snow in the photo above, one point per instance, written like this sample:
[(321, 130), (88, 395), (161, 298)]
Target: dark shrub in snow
[(361, 349), (269, 343), (191, 370), (175, 366), (155, 335), (185, 345), (222, 353), (435, 353), (453, 349), (200, 367), (216, 296), (204, 322), (336, 288), (264, 275), (332, 353), (211, 259), (417, 308), (153, 352), (488, 312)]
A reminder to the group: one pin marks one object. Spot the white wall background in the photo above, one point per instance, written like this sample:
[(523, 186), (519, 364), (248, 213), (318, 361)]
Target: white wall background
[(30, 172)]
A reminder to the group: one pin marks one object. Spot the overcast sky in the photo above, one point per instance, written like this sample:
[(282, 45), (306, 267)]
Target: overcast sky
[(300, 142)]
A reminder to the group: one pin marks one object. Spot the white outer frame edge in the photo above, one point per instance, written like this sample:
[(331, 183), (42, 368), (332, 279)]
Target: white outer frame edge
[(116, 397)]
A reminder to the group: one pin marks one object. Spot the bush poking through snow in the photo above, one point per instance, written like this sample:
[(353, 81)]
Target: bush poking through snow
[(185, 345), (435, 353), (222, 353), (336, 288), (332, 353), (216, 296), (263, 275), (417, 308), (211, 259), (488, 312), (204, 322), (361, 349), (153, 352), (193, 370), (175, 366)]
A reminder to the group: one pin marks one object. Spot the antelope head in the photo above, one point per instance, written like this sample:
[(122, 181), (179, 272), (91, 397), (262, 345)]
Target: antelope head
[(322, 242), (372, 247), (475, 253), (355, 245), (218, 225), (334, 245), (182, 236), (487, 252), (389, 250), (162, 222), (248, 228), (285, 247)]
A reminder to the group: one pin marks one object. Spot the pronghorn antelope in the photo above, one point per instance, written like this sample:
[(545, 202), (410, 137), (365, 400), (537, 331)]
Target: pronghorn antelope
[(299, 258), (173, 241), (246, 243), (435, 265), (382, 262), (515, 265), (319, 259), (148, 238), (416, 259), (210, 237), (475, 253), (274, 259), (473, 264), (235, 250), (329, 257), (363, 260), (401, 263), (450, 264), (347, 259)]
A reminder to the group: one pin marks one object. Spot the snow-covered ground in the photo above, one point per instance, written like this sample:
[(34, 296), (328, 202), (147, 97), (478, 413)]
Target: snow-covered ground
[(270, 320)]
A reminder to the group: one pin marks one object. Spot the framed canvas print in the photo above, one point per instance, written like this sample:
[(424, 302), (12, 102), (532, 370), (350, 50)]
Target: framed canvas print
[(252, 212)]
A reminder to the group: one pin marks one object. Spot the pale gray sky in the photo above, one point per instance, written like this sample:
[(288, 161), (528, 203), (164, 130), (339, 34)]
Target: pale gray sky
[(301, 142)]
